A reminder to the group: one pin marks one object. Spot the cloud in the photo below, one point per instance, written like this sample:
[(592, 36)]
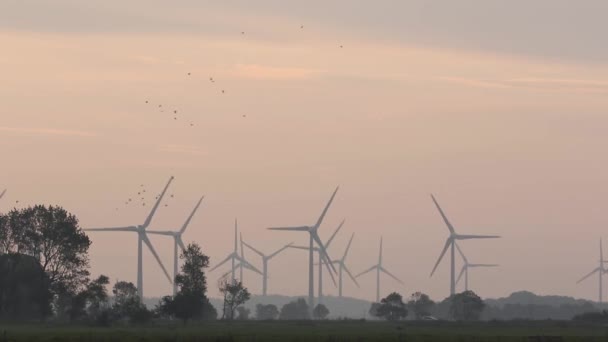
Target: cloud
[(47, 131), (266, 72), (182, 149), (533, 83)]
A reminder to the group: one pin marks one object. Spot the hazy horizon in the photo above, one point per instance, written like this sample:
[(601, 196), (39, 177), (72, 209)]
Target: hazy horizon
[(497, 108)]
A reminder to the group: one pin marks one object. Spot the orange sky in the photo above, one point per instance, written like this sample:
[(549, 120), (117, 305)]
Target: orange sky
[(507, 133)]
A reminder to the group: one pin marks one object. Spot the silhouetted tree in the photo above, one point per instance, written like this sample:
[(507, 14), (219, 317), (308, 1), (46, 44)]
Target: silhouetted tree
[(466, 306), (320, 311), (243, 313), (191, 301), (235, 294), (266, 312), (127, 304), (420, 304), (296, 310), (392, 308)]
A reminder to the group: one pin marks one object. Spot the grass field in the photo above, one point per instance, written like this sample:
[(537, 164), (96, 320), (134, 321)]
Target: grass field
[(316, 331)]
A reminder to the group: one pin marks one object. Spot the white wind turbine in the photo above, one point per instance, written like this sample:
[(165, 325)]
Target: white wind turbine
[(600, 271), (314, 238), (234, 256), (142, 237), (322, 261), (342, 267), (450, 242), (379, 268), (177, 241), (265, 259), (465, 268)]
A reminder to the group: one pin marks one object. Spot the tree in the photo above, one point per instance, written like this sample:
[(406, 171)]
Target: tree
[(420, 304), (191, 300), (128, 305), (320, 311), (243, 313), (296, 310), (391, 308), (52, 236), (235, 294), (266, 312), (466, 306)]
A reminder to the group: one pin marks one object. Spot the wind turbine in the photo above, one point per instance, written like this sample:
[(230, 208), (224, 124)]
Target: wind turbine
[(600, 270), (177, 241), (314, 238), (322, 261), (450, 242), (265, 259), (465, 268), (142, 237), (379, 268), (342, 267), (234, 256)]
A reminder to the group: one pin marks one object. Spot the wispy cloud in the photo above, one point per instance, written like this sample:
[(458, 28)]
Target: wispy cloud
[(182, 149), (257, 71), (47, 131), (534, 83)]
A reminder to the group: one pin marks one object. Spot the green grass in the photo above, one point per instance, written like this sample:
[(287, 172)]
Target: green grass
[(313, 331)]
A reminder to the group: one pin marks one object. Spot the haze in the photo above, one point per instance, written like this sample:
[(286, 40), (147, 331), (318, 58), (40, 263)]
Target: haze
[(498, 108)]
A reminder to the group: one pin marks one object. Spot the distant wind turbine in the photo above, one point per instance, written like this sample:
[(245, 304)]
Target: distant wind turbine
[(450, 242), (379, 268), (465, 268), (177, 241), (322, 261), (342, 267), (314, 238), (265, 259), (600, 272), (142, 237), (234, 257)]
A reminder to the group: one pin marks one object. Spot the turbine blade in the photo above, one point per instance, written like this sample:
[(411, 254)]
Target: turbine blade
[(115, 229), (2, 194), (160, 198), (445, 248), (333, 279), (279, 250), (445, 219), (299, 229), (247, 264), (301, 247), (461, 273), (253, 269), (253, 249), (230, 271), (334, 234), (180, 243), (320, 220), (468, 237), (158, 232), (151, 248), (588, 275), (191, 215), (601, 250), (350, 275), (221, 263), (484, 265), (390, 274), (366, 271), (322, 250), (348, 247), (380, 254), (461, 253)]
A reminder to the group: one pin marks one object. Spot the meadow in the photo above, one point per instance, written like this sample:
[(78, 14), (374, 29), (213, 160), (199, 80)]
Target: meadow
[(315, 331)]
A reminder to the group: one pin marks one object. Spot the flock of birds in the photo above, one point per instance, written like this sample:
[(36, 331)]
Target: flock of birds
[(141, 197), (174, 111)]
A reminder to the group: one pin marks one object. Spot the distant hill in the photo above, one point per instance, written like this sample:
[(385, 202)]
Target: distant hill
[(526, 298)]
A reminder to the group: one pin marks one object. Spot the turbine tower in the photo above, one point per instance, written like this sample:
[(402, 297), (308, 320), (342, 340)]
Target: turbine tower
[(177, 241), (465, 268), (265, 259), (322, 261), (314, 238), (379, 268), (450, 242), (234, 256), (342, 267), (142, 238), (600, 270)]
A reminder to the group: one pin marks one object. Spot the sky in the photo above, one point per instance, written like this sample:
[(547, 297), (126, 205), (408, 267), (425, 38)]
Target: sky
[(498, 108)]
